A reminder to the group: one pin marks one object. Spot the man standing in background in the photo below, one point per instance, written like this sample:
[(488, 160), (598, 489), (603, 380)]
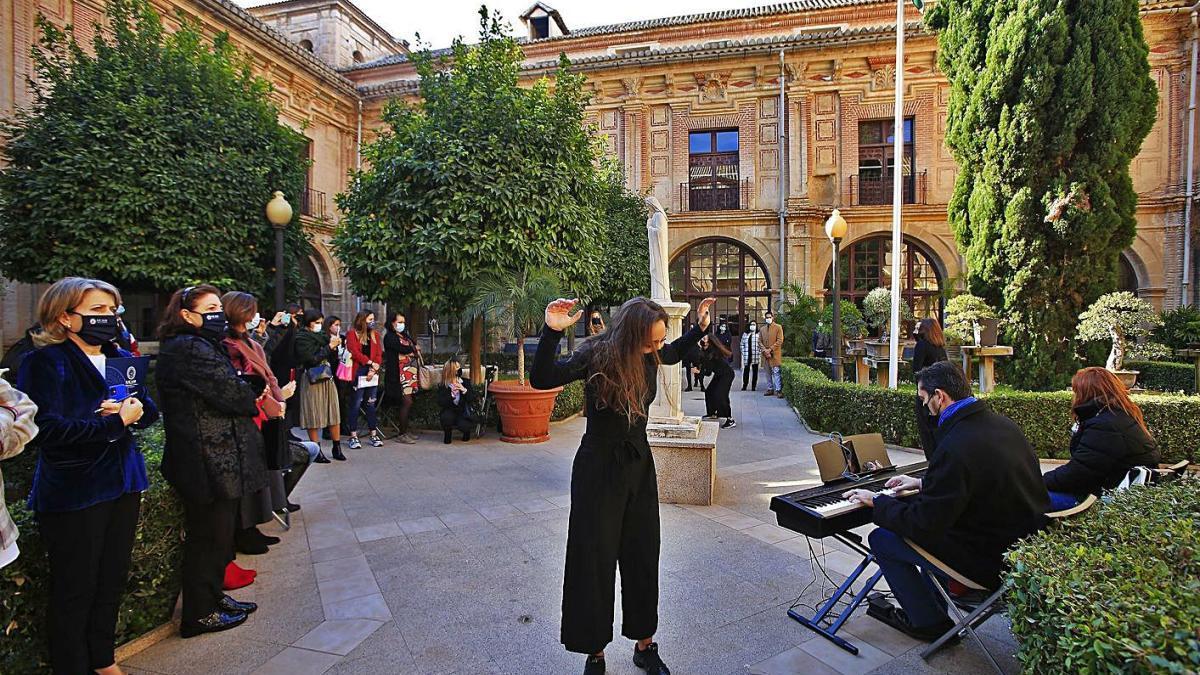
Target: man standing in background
[(771, 339)]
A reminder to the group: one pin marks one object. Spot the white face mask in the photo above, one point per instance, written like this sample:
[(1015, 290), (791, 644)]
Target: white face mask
[(317, 327), (399, 328), (770, 321), (253, 323), (753, 328)]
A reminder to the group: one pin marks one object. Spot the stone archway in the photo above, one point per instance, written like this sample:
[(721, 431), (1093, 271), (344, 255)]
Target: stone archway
[(866, 264), (725, 268)]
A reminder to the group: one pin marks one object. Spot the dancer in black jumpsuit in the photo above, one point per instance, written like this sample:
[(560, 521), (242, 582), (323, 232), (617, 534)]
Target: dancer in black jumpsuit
[(614, 489)]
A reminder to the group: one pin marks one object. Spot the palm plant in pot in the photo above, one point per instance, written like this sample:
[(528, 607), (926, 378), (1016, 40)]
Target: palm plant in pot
[(877, 311), (515, 304), (1119, 317)]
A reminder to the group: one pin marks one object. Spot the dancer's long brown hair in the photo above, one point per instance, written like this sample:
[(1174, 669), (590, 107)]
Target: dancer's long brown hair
[(1097, 384), (617, 362)]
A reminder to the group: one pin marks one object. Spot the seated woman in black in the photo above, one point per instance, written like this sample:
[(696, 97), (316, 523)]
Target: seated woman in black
[(1111, 438), (455, 398)]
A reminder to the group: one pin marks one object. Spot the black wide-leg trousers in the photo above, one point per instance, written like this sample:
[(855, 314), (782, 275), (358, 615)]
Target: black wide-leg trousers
[(614, 521)]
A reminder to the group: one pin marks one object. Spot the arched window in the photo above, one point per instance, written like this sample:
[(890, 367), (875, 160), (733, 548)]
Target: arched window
[(867, 264), (728, 270), (306, 45), (357, 56), (1126, 278), (310, 293)]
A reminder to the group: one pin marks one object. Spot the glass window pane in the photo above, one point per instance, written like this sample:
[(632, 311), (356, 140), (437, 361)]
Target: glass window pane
[(727, 141), (908, 131), (870, 133), (700, 141)]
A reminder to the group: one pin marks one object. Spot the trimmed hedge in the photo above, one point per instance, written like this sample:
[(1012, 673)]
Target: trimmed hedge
[(1114, 591), (1045, 417), (154, 579), (1165, 375)]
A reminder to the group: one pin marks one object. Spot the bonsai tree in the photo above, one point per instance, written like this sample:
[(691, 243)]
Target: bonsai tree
[(962, 313), (515, 304), (1119, 317), (877, 309), (853, 325)]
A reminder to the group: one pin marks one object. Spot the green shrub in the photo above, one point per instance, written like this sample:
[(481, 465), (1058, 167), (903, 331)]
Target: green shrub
[(1115, 590), (153, 575), (1165, 375), (1180, 327), (1045, 417), (424, 412)]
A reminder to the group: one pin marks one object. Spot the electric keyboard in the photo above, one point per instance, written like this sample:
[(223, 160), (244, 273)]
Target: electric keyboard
[(821, 511)]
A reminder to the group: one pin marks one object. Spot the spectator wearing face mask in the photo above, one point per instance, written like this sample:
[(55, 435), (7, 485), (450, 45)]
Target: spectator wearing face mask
[(595, 323), (315, 356), (455, 398), (770, 339), (400, 353), (750, 357), (726, 338), (125, 338)]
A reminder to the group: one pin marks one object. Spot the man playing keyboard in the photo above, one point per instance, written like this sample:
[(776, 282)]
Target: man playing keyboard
[(982, 492)]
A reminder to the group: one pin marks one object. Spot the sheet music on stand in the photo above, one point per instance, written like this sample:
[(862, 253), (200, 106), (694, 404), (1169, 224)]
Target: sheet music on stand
[(851, 457)]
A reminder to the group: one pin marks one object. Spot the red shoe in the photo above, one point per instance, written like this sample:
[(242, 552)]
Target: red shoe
[(956, 589), (236, 577), (243, 570)]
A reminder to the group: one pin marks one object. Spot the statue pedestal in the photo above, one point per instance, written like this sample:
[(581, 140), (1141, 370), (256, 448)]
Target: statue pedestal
[(684, 448)]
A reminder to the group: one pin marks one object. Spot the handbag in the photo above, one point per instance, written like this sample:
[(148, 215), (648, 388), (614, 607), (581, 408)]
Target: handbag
[(428, 377), (319, 373), (275, 445)]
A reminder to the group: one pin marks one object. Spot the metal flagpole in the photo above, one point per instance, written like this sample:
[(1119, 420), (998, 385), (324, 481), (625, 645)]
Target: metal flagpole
[(897, 200)]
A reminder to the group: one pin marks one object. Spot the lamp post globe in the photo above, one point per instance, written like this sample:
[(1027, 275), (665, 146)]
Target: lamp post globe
[(835, 229), (279, 214)]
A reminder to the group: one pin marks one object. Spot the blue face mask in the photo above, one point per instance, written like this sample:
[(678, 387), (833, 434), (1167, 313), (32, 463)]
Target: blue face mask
[(215, 325)]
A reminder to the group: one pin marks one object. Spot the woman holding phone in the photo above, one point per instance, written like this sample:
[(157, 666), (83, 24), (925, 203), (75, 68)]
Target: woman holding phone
[(90, 474)]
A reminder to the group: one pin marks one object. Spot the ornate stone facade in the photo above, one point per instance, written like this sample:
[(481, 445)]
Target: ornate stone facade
[(656, 83)]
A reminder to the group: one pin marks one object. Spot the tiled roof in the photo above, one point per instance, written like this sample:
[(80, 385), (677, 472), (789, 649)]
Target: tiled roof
[(647, 24), (749, 45)]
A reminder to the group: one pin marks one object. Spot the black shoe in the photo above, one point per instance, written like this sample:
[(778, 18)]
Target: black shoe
[(337, 453), (729, 424), (648, 660), (321, 458), (743, 389), (292, 508), (594, 665), (466, 436), (446, 438), (231, 606), (248, 544), (688, 389), (896, 618), (264, 538), (213, 623)]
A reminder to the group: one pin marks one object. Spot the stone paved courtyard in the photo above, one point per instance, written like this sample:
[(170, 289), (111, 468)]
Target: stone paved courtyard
[(448, 559)]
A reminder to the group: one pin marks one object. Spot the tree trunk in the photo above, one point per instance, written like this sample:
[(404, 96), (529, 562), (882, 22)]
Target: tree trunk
[(476, 354), (521, 360), (1116, 357)]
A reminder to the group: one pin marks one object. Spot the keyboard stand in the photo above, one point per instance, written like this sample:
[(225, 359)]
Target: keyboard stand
[(818, 621)]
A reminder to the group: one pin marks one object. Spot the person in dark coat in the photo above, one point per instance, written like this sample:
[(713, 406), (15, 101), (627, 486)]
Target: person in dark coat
[(455, 397), (1110, 439), (982, 492), (930, 349), (614, 489), (714, 359), (690, 359), (90, 475), (401, 354), (213, 454)]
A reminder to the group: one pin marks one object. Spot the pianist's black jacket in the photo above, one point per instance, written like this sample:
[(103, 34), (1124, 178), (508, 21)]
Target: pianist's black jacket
[(605, 427), (983, 491)]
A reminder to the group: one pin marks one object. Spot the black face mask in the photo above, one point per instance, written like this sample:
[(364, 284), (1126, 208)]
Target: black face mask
[(97, 328), (215, 325), (460, 373)]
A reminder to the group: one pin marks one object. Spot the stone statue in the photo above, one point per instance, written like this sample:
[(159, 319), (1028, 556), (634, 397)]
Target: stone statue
[(656, 229)]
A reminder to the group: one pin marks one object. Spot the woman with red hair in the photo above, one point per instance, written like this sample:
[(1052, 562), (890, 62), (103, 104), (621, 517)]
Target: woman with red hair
[(1110, 439)]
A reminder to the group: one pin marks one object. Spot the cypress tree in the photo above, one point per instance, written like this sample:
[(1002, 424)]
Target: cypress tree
[(1050, 101)]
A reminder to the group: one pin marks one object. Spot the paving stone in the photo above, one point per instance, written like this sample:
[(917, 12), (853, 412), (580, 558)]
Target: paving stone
[(338, 637), (844, 662), (293, 661), (386, 530), (794, 661), (366, 607), (427, 524), (344, 588)]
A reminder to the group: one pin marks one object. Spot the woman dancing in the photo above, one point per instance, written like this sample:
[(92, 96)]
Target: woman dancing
[(614, 489)]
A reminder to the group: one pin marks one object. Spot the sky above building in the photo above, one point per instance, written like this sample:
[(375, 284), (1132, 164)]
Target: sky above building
[(439, 21)]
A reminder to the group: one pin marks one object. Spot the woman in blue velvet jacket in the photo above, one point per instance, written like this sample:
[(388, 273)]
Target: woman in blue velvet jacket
[(90, 474)]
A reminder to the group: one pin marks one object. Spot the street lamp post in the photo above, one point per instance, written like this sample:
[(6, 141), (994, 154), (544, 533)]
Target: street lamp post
[(279, 212), (835, 229)]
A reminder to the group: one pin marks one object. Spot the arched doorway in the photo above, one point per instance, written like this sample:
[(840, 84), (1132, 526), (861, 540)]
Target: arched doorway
[(867, 264), (1126, 276), (310, 292), (728, 270)]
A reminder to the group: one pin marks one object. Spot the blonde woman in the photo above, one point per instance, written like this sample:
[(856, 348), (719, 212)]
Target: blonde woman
[(87, 489), (455, 397)]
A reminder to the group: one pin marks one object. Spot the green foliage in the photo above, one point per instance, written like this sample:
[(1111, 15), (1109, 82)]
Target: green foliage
[(1180, 327), (514, 302), (853, 324), (877, 309), (1150, 351), (153, 575), (625, 258), (148, 164), (1165, 375), (481, 175), (1045, 417), (1114, 590), (798, 314), (963, 311), (425, 410), (1049, 102), (1119, 316)]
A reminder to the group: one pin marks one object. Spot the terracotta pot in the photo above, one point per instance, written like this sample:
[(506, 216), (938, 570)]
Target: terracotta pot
[(524, 411), (1127, 377)]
